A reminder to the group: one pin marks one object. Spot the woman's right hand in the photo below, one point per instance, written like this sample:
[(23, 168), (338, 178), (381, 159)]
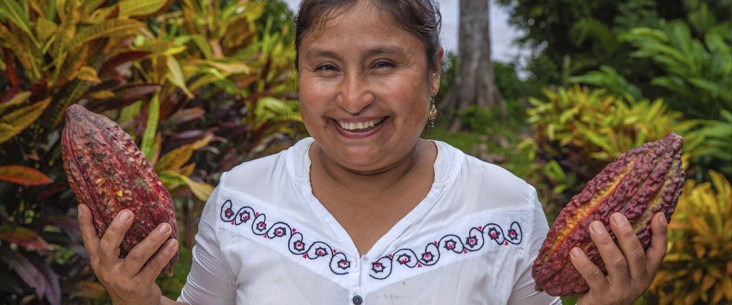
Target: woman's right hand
[(129, 280)]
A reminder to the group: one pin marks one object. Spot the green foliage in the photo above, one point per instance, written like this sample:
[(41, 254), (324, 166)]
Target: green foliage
[(577, 131), (697, 267), (718, 144), (696, 72), (694, 75), (476, 118), (571, 37), (513, 88), (447, 77), (578, 36), (199, 85), (610, 80)]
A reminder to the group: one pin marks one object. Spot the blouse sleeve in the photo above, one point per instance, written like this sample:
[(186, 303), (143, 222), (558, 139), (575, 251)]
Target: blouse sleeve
[(210, 281), (524, 291)]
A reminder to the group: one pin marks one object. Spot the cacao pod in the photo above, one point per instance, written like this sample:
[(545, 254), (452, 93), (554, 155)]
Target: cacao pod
[(639, 183), (108, 173)]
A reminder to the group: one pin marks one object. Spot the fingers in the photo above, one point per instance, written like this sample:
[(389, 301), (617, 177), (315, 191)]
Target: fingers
[(112, 238), (659, 243), (88, 232), (589, 271), (615, 262), (161, 258), (630, 269), (635, 255), (139, 260)]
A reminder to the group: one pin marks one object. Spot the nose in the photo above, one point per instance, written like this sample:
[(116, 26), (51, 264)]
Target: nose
[(355, 94)]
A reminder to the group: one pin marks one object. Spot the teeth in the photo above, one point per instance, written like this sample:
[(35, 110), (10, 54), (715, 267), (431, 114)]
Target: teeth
[(355, 126)]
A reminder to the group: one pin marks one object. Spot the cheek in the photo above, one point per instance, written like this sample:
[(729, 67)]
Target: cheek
[(311, 98), (414, 102)]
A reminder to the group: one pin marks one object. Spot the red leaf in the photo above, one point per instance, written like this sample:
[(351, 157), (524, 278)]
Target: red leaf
[(24, 238), (123, 96), (34, 272), (109, 66), (185, 115), (23, 175), (9, 94)]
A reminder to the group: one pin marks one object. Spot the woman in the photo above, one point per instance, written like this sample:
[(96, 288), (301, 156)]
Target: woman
[(365, 211)]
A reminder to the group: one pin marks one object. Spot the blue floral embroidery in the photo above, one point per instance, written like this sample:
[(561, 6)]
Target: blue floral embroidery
[(339, 263), (476, 239), (382, 267)]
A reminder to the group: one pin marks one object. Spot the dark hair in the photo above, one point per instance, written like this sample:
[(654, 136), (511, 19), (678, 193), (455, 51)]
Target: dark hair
[(422, 18)]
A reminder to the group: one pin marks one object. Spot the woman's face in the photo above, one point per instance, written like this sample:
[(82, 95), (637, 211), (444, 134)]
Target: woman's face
[(365, 88)]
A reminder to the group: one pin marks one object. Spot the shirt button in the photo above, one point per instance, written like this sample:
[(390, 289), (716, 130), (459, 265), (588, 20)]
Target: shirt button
[(357, 300)]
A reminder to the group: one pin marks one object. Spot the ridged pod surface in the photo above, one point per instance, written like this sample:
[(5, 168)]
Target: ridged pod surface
[(108, 173), (639, 183)]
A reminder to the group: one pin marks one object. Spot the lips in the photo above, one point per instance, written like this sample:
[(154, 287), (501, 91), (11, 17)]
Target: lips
[(360, 126)]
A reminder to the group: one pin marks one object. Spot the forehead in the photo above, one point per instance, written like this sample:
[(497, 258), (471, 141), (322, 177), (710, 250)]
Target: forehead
[(362, 21)]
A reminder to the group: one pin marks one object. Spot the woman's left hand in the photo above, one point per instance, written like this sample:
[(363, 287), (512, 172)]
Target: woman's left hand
[(630, 270)]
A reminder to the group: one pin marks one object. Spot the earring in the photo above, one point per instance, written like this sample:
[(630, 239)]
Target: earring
[(433, 112)]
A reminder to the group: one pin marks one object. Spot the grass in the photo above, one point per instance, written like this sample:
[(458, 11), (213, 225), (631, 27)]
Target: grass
[(495, 141)]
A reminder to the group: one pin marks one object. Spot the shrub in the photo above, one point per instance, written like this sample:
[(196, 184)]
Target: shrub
[(199, 86), (577, 131), (697, 268)]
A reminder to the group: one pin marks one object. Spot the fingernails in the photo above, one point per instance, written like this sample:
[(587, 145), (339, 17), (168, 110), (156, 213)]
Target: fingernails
[(597, 228), (164, 228), (172, 243), (618, 219), (79, 210), (575, 253), (663, 220), (124, 215)]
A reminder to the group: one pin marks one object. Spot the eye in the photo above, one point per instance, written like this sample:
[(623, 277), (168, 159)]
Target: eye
[(383, 64), (326, 68)]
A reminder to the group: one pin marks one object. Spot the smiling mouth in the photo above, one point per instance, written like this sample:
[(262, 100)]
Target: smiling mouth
[(361, 126)]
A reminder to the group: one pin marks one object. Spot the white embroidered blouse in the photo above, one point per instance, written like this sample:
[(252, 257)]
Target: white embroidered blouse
[(265, 239)]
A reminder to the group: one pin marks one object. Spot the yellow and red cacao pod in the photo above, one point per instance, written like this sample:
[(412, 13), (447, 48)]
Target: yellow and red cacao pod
[(108, 173), (639, 183)]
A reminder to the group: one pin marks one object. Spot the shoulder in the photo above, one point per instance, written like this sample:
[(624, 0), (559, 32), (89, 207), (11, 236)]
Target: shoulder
[(263, 172), (487, 184)]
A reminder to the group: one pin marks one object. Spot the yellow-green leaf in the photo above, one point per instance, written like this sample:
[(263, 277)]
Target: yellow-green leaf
[(45, 29), (140, 7), (175, 159), (103, 13), (170, 179), (23, 175), (107, 28), (88, 74), (148, 138), (21, 50), (229, 68), (175, 75), (16, 13), (100, 95), (17, 99), (200, 189), (71, 94), (15, 122), (187, 170)]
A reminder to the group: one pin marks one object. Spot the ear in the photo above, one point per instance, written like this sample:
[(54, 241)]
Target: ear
[(436, 72)]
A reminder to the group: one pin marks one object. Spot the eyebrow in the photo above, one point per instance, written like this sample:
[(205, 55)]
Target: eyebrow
[(369, 53)]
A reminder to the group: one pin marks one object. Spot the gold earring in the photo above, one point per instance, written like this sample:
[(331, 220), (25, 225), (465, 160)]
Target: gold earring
[(433, 112)]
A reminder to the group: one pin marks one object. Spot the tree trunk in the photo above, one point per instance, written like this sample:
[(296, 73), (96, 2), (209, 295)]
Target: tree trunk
[(474, 80)]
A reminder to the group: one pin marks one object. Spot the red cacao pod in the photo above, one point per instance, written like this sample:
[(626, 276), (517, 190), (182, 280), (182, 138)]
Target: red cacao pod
[(108, 173), (639, 183)]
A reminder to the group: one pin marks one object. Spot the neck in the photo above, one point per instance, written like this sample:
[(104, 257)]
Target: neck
[(418, 162)]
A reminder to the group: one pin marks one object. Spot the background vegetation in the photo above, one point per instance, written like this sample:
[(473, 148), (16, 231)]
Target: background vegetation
[(204, 85)]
